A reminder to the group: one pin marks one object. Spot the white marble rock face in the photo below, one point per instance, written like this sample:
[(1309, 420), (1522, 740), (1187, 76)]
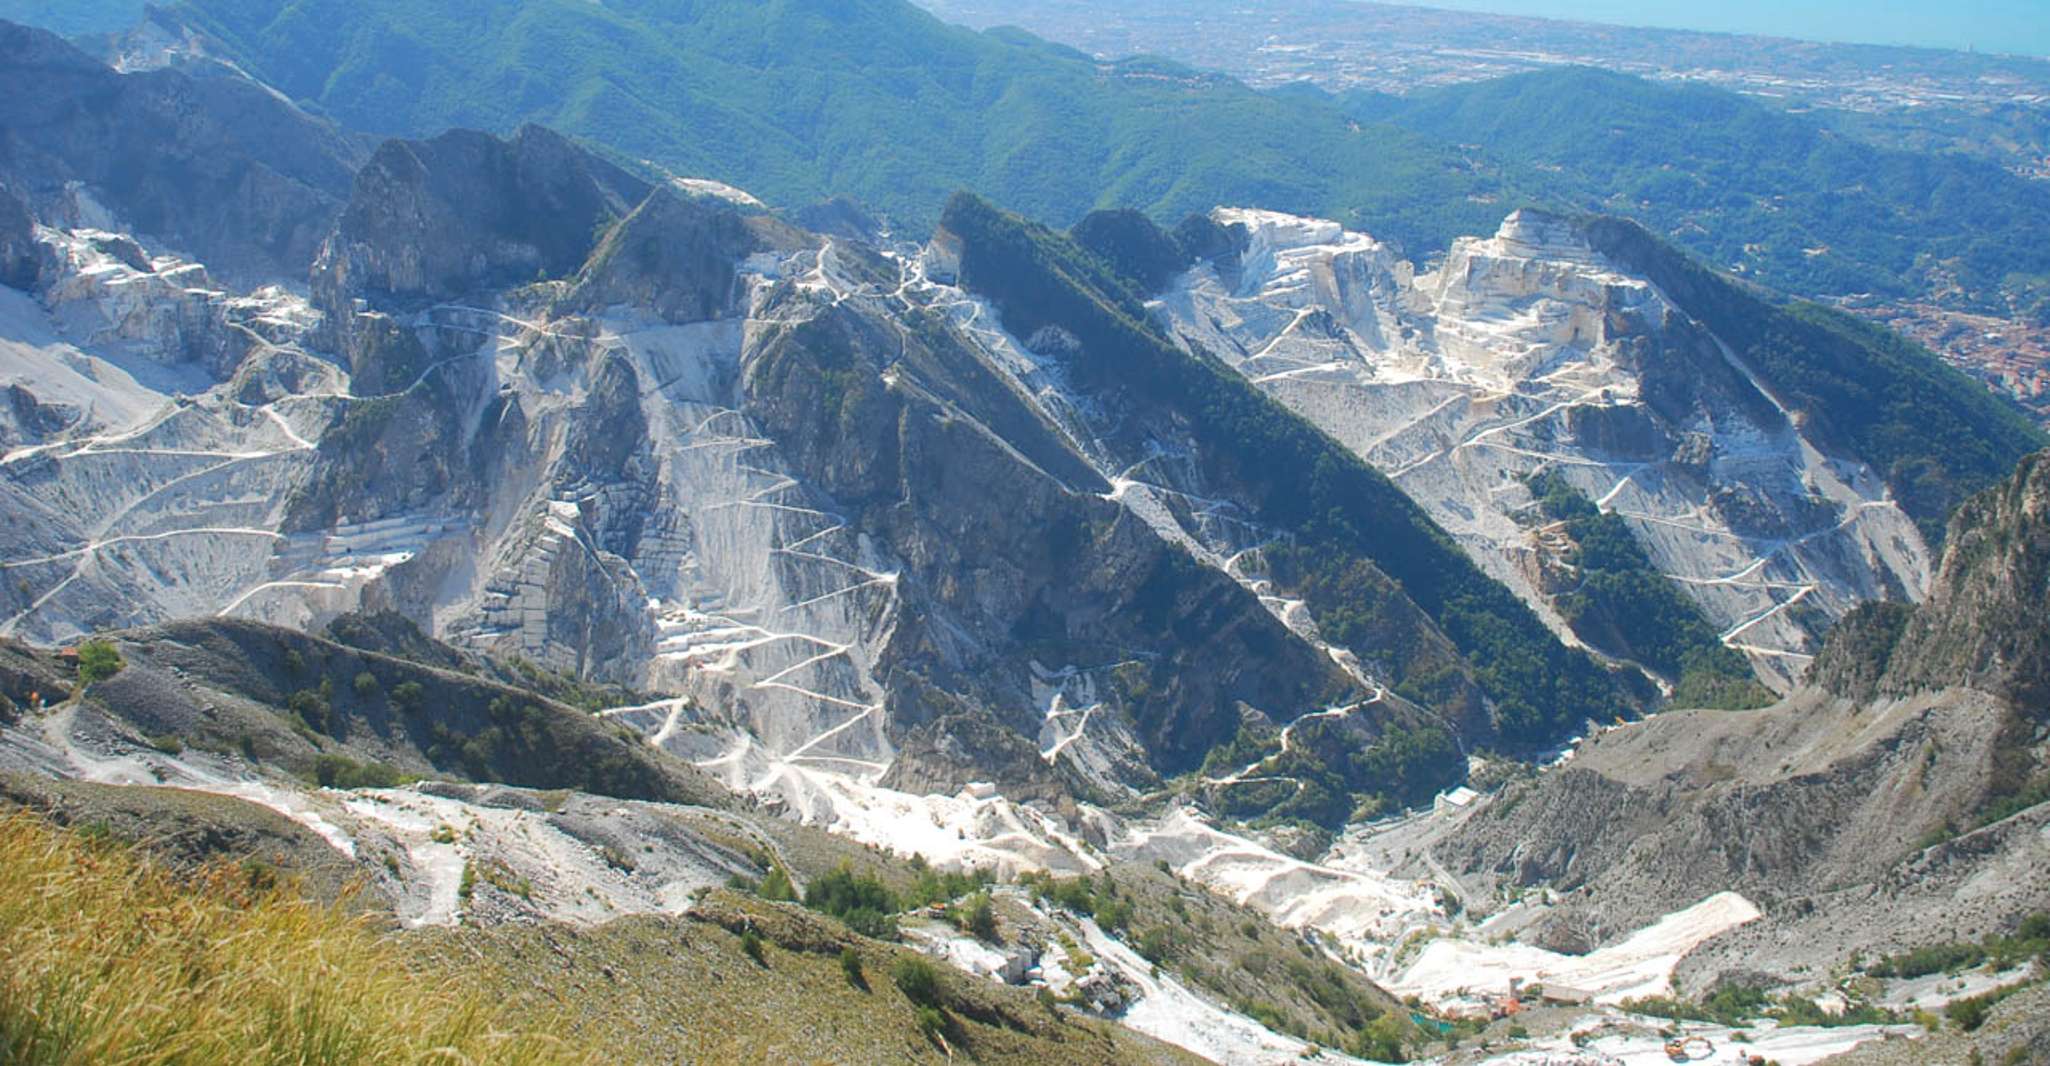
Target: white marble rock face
[(1499, 362), (751, 601)]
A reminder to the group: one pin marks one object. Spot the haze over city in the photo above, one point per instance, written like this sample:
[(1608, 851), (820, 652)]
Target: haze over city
[(2010, 26)]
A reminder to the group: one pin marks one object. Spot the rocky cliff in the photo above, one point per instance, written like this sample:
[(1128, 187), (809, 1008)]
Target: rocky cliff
[(821, 500), (1981, 625), (867, 518), (1892, 801), (1531, 352), (467, 213)]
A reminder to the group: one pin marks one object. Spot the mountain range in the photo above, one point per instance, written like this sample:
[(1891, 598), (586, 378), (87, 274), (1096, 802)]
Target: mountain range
[(586, 541)]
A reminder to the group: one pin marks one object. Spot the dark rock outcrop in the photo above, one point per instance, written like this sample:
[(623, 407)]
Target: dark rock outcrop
[(1016, 555), (672, 257), (20, 260), (443, 218), (25, 418), (1983, 624)]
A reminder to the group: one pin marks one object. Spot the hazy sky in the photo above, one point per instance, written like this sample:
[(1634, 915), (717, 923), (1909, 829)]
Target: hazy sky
[(2016, 26)]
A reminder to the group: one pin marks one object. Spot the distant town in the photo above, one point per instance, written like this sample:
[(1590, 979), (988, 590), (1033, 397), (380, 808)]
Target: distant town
[(2011, 357), (1991, 105)]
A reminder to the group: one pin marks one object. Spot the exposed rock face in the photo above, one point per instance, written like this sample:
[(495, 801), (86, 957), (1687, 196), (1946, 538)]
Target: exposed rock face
[(107, 290), (1527, 351), (466, 212), (672, 257), (1822, 809), (1983, 622), (219, 169), (814, 494), (860, 533), (918, 455), (25, 419)]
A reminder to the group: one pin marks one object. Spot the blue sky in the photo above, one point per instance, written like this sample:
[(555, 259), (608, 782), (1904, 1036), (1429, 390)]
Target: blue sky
[(2015, 26)]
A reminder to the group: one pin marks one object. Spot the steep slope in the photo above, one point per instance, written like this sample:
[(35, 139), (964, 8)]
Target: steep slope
[(799, 100), (1779, 196), (1979, 625), (217, 168), (1566, 380), (1896, 802), (224, 893), (230, 743), (279, 972), (1351, 535), (1854, 389), (646, 989), (857, 535)]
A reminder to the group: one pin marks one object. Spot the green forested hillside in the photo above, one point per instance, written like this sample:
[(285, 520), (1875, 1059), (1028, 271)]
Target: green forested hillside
[(1779, 196), (1624, 606), (1935, 435), (799, 100)]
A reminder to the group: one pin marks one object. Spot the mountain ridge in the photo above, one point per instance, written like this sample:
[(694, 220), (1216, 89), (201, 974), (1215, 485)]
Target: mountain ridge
[(1853, 811), (1121, 604), (771, 99)]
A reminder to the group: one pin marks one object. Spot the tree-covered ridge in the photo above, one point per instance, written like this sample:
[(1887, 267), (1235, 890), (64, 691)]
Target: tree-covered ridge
[(1341, 512), (1624, 606), (1795, 204), (800, 100), (1933, 433)]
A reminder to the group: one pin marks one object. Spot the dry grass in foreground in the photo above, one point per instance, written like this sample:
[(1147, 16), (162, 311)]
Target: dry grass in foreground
[(106, 957)]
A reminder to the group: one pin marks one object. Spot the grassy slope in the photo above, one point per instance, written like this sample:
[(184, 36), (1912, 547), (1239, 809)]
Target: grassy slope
[(187, 830), (659, 989), (661, 995), (111, 958), (798, 100), (1737, 182), (1211, 938)]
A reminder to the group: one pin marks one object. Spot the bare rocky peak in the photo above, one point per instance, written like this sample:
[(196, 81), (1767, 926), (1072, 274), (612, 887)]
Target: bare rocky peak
[(437, 219), (676, 258)]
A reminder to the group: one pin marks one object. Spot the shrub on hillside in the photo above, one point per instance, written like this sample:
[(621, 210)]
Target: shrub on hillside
[(862, 901), (918, 979), (978, 917), (97, 661)]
